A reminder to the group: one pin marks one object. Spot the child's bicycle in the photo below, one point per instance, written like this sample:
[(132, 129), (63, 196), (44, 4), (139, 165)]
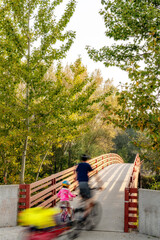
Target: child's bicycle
[(65, 215), (88, 223)]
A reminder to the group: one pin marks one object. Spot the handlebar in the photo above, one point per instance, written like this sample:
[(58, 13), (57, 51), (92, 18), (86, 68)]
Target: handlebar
[(96, 188)]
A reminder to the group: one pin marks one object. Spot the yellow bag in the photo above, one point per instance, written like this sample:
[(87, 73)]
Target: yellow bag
[(39, 217)]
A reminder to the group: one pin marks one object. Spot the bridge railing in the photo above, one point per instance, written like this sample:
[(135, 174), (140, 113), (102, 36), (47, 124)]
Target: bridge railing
[(131, 198), (43, 193)]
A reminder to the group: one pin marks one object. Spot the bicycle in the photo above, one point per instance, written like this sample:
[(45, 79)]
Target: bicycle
[(44, 234), (64, 214), (90, 222), (68, 229)]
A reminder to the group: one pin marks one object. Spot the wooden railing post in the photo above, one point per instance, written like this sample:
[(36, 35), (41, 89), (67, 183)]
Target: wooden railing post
[(75, 180), (102, 163), (54, 191), (126, 204), (96, 166)]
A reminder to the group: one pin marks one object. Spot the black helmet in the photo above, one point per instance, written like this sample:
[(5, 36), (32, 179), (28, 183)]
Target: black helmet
[(84, 157)]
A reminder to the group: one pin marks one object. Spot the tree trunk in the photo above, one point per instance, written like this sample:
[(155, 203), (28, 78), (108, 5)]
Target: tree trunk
[(24, 161), (69, 155), (27, 104), (5, 173), (54, 159), (55, 164), (41, 165), (5, 177)]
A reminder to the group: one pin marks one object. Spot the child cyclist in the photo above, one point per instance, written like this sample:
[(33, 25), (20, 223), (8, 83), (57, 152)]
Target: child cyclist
[(65, 195)]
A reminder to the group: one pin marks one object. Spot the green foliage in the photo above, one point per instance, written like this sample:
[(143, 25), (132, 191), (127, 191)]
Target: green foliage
[(84, 98), (28, 34), (63, 106), (151, 157), (93, 137), (155, 186), (95, 142), (151, 182), (136, 25), (124, 145)]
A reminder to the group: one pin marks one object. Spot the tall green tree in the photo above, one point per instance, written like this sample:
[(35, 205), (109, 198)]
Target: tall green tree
[(124, 144), (96, 135), (28, 34), (66, 102), (135, 27), (151, 157), (68, 113)]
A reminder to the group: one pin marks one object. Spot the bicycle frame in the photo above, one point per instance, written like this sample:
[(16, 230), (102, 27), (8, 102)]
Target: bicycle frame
[(46, 234), (65, 213), (86, 208)]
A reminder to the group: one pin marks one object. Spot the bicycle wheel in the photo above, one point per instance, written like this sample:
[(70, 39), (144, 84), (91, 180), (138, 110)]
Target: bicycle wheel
[(77, 226), (94, 217), (62, 237)]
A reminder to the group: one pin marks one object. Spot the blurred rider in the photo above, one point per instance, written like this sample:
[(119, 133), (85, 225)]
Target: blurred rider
[(82, 170), (82, 176)]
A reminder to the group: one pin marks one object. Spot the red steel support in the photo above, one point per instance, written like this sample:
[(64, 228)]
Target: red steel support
[(25, 193), (28, 194), (126, 205), (131, 199)]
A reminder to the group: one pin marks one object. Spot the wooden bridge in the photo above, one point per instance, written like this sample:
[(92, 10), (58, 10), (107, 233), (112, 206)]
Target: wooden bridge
[(119, 198)]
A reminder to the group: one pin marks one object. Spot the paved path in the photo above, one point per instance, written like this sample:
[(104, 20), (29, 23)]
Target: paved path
[(115, 178), (14, 233)]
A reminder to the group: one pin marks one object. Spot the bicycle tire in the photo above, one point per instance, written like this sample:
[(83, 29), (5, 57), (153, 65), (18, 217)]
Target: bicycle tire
[(77, 226), (94, 217)]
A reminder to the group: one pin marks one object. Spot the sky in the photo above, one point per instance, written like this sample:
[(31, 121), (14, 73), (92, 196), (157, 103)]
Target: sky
[(90, 30)]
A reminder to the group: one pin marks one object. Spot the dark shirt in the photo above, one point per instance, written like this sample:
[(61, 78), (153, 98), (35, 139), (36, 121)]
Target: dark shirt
[(82, 171)]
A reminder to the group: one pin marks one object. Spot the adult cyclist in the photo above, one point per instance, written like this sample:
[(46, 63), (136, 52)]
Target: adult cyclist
[(82, 170)]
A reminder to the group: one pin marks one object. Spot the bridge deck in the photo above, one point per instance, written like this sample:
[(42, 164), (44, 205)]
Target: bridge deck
[(115, 178)]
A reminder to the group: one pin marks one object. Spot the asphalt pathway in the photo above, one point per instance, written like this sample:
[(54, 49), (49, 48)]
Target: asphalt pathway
[(14, 233)]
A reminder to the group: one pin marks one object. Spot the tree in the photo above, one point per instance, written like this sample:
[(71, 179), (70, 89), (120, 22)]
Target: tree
[(72, 110), (64, 104), (96, 136), (28, 33), (124, 144), (150, 156), (136, 24)]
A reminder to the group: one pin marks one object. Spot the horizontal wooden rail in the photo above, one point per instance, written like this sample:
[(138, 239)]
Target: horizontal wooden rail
[(44, 192)]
